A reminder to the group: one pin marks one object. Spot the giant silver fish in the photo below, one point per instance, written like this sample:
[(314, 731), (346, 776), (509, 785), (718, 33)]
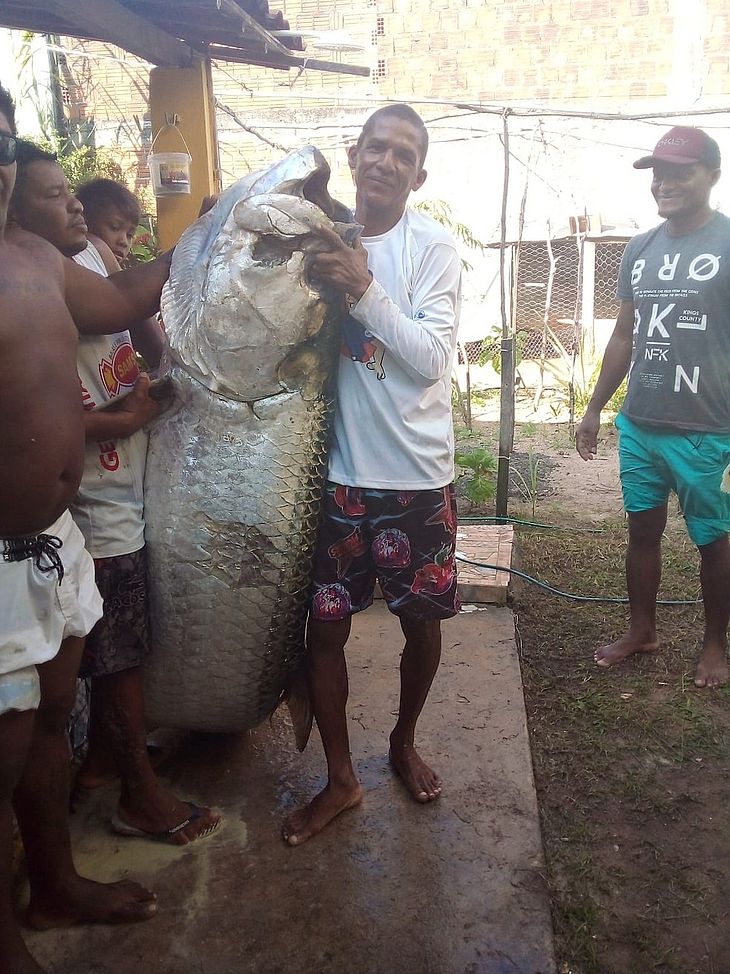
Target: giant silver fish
[(235, 469)]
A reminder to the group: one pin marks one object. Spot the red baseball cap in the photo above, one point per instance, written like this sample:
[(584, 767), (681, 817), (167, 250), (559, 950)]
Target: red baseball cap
[(682, 145)]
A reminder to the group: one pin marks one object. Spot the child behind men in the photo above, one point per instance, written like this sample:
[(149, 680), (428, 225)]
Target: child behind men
[(112, 213)]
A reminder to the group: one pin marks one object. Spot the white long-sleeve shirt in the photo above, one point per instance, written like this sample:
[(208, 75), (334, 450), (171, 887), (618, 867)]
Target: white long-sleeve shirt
[(393, 427)]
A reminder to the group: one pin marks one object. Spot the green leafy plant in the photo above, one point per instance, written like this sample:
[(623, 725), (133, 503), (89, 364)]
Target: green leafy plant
[(491, 351), (478, 467), (87, 162), (144, 246), (84, 163)]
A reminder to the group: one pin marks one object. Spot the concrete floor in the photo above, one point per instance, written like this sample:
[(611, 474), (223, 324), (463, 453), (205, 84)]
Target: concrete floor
[(450, 888)]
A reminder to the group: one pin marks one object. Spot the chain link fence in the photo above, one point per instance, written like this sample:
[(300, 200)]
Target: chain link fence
[(556, 288)]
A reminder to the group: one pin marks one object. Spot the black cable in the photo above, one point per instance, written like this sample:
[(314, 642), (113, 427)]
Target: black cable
[(569, 595), (494, 519)]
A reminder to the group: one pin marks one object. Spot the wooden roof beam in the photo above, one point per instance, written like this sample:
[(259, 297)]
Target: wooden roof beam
[(109, 21), (252, 27), (284, 61)]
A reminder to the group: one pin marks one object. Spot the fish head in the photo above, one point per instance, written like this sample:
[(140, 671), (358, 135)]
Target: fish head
[(240, 307)]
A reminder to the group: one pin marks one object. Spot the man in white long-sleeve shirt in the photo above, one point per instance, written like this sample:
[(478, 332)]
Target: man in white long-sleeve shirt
[(390, 512)]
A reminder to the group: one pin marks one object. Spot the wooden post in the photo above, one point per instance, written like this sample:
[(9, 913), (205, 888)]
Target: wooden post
[(187, 93), (507, 397)]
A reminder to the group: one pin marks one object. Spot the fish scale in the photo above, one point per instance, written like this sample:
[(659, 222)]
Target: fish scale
[(233, 485)]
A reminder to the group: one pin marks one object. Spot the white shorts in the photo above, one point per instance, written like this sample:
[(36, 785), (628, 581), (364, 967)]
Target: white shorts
[(38, 610)]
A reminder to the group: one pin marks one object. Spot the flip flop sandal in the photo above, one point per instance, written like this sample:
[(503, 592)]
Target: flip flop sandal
[(123, 828)]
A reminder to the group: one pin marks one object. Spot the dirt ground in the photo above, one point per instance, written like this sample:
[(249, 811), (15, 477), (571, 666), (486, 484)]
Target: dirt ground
[(632, 764)]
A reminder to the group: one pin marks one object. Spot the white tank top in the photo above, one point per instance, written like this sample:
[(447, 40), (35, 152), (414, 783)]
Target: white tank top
[(109, 505)]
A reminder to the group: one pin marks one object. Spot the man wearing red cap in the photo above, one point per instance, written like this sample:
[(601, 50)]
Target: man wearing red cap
[(672, 338)]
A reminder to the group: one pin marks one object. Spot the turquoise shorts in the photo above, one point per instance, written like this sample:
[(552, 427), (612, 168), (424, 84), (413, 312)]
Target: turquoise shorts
[(655, 461)]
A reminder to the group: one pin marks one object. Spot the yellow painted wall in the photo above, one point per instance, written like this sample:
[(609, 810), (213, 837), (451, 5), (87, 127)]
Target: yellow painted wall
[(187, 93)]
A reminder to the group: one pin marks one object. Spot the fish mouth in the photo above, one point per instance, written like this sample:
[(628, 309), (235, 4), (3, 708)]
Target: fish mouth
[(272, 251), (315, 190)]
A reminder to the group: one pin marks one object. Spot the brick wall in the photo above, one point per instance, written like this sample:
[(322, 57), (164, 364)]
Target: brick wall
[(601, 53)]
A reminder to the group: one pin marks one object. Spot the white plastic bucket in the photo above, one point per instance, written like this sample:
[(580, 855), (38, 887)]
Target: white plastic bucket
[(169, 172)]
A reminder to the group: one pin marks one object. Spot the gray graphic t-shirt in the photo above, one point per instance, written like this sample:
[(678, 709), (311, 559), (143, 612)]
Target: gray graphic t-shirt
[(680, 366)]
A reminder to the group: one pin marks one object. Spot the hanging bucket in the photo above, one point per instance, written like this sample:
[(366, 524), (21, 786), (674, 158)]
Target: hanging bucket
[(170, 171)]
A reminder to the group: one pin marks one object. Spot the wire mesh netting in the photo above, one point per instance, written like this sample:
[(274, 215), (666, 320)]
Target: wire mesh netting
[(607, 263), (555, 289)]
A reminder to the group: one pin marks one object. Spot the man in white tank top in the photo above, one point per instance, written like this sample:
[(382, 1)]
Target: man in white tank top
[(389, 507)]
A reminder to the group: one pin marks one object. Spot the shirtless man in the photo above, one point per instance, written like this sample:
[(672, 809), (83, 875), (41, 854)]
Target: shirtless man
[(389, 506), (48, 600), (109, 512)]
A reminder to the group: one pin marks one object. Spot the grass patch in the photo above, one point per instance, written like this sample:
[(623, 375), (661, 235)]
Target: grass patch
[(631, 763)]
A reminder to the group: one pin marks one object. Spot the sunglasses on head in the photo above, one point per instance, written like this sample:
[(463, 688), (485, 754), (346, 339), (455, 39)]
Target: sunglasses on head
[(8, 149)]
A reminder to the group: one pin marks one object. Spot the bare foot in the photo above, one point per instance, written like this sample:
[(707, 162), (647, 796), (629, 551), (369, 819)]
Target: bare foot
[(423, 783), (85, 901), (712, 668), (327, 805), (624, 647), (165, 818)]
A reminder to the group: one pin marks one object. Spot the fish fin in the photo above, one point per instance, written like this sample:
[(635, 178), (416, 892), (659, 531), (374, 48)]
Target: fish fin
[(297, 699)]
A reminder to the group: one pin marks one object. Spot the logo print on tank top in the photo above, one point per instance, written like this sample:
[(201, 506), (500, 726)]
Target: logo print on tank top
[(121, 372)]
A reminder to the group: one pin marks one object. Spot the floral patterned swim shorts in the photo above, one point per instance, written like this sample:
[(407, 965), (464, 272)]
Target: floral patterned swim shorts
[(119, 641), (404, 539)]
